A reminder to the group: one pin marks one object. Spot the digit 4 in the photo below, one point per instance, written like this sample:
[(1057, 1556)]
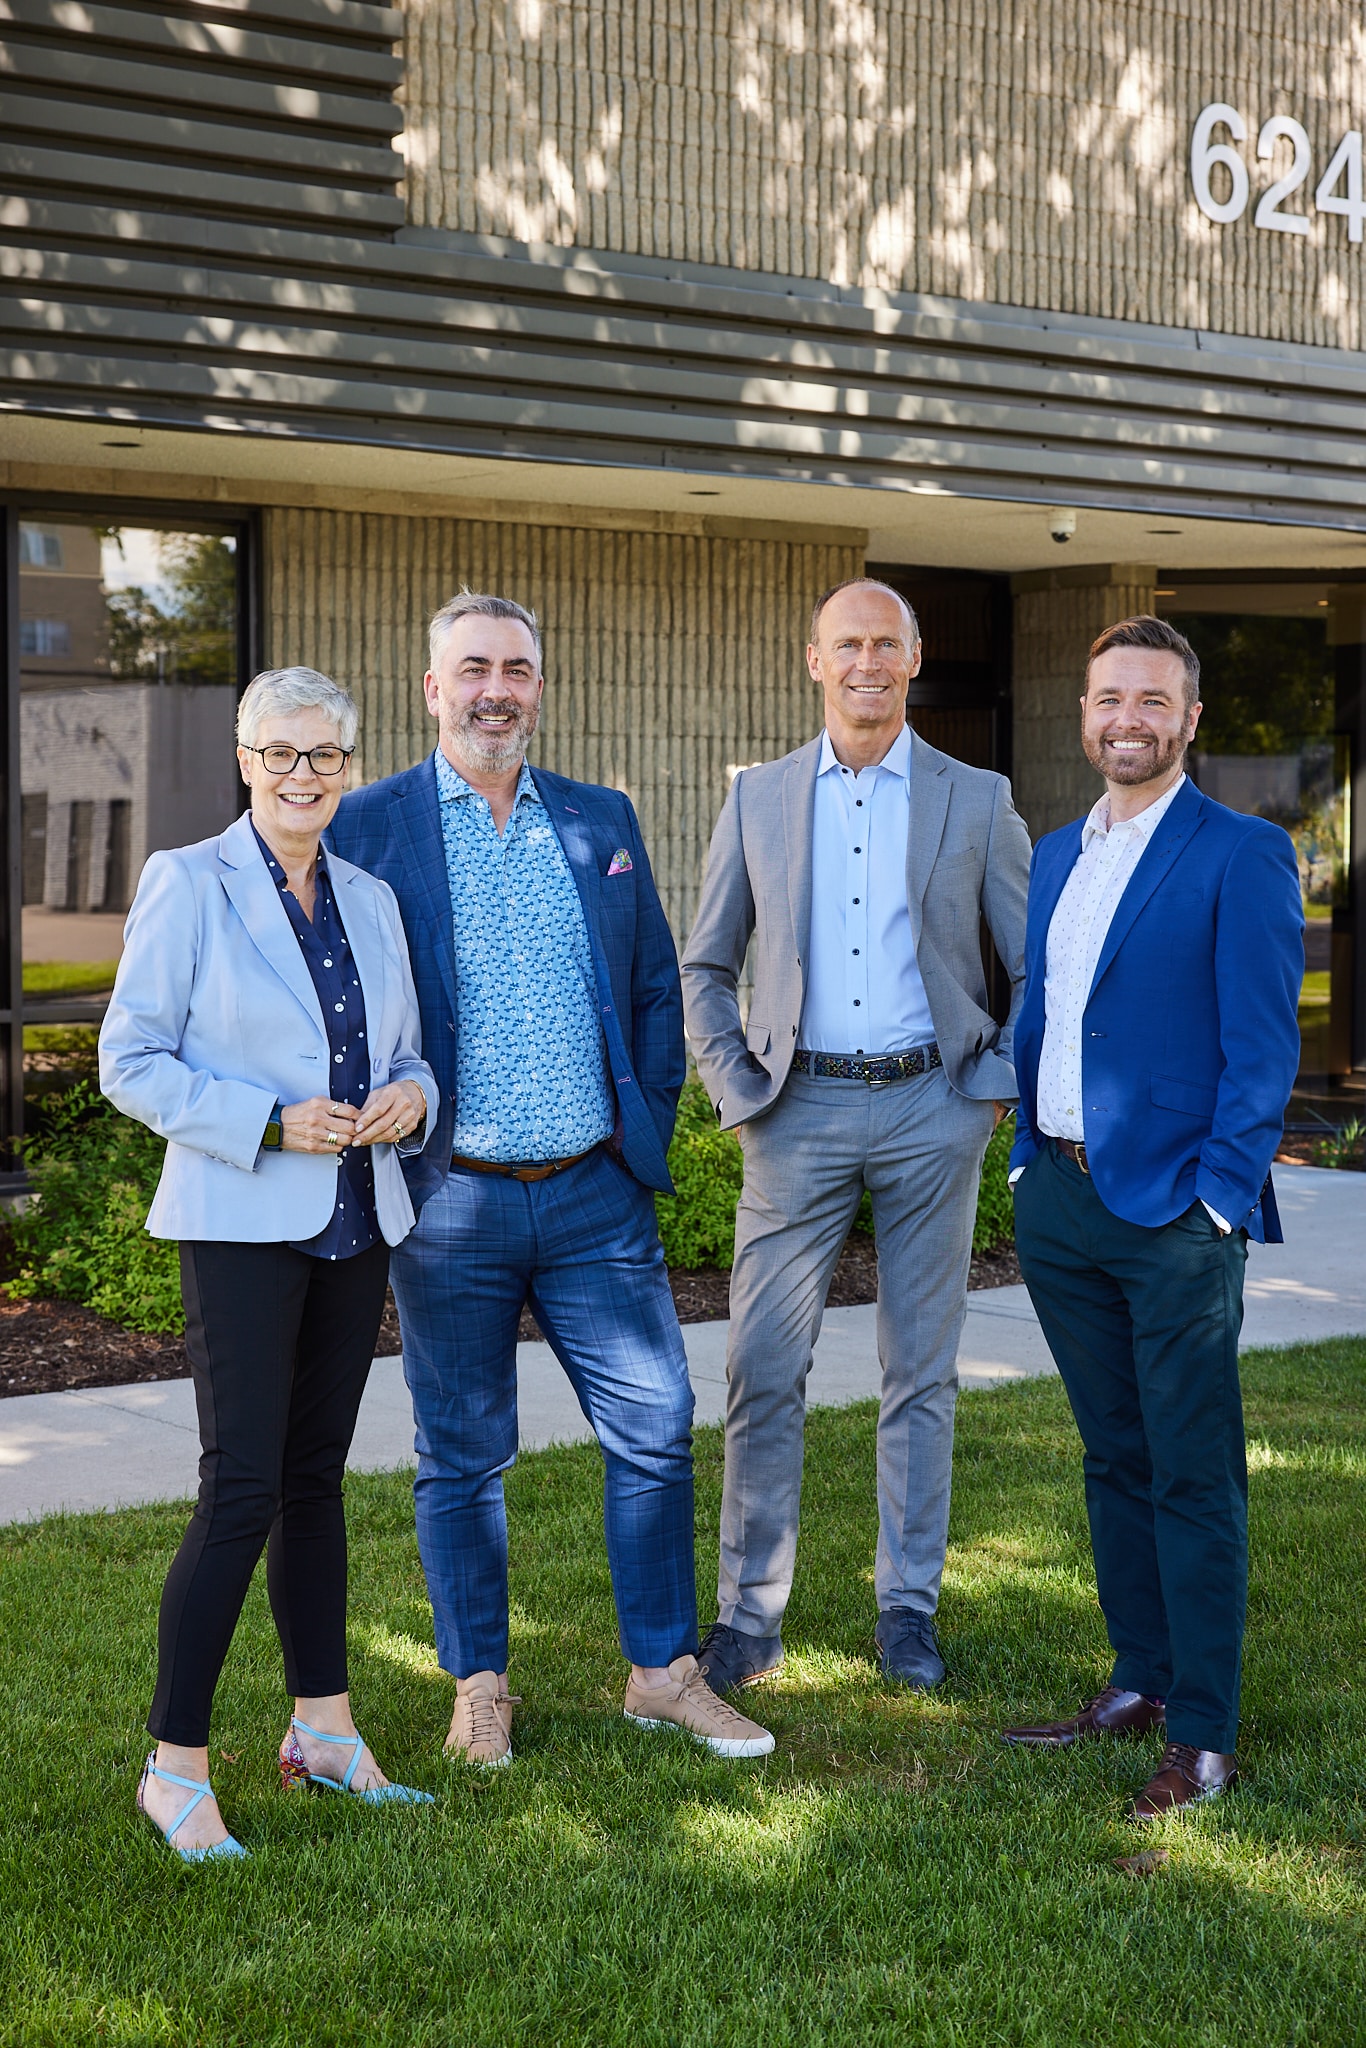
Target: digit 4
[(1346, 157)]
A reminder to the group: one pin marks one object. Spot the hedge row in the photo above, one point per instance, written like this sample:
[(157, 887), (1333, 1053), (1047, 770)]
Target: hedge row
[(94, 1173), (698, 1223)]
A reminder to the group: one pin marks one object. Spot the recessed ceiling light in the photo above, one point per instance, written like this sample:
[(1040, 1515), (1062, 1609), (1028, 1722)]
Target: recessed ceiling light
[(1320, 600), (1164, 593)]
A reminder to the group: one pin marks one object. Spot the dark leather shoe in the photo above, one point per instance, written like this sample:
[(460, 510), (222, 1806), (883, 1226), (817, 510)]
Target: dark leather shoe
[(1112, 1712), (1185, 1777), (910, 1648), (732, 1660)]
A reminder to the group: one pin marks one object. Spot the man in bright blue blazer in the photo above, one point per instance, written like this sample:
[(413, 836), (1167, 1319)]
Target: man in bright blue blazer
[(548, 987), (1156, 1049)]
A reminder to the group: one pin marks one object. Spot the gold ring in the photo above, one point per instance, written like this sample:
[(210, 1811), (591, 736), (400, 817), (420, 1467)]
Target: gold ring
[(398, 1127), (331, 1138)]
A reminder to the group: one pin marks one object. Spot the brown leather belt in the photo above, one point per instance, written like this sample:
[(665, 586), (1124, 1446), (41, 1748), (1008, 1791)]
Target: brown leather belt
[(539, 1169), (1071, 1150)]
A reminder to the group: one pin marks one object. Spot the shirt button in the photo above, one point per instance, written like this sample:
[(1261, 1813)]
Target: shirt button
[(327, 963), (339, 1006), (858, 849), (856, 952), (336, 1059)]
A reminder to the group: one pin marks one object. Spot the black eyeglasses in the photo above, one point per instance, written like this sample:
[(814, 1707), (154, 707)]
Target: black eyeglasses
[(322, 760)]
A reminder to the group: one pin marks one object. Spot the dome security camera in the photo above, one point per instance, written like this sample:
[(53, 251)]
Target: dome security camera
[(1062, 525)]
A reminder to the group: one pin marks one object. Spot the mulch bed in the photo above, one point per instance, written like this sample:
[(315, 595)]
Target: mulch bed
[(1302, 1151), (49, 1347)]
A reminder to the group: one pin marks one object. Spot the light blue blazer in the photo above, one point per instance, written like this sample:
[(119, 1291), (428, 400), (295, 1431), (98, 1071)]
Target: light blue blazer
[(214, 1019)]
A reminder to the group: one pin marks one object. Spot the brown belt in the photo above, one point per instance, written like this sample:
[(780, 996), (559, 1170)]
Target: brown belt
[(1071, 1150), (540, 1169)]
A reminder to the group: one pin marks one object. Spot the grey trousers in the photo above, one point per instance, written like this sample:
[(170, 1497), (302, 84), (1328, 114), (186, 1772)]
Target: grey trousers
[(917, 1146)]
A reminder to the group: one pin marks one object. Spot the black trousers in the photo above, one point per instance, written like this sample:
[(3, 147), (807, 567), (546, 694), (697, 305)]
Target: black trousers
[(1144, 1327), (280, 1347)]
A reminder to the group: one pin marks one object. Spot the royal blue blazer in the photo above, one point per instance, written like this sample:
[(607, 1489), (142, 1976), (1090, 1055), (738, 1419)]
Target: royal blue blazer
[(393, 829), (1191, 1040)]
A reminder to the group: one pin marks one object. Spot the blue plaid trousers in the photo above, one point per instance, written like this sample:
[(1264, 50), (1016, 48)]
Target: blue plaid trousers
[(584, 1248)]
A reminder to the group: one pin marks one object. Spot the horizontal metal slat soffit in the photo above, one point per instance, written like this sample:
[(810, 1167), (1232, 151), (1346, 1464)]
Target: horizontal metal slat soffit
[(235, 260), (267, 110)]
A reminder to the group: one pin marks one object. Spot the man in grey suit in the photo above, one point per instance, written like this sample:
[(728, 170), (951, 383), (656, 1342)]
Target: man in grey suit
[(861, 865)]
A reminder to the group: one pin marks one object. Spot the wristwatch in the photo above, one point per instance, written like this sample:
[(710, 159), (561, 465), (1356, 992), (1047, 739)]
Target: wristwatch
[(275, 1131)]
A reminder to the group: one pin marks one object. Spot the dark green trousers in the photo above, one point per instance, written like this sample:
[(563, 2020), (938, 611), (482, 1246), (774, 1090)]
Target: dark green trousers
[(1144, 1327)]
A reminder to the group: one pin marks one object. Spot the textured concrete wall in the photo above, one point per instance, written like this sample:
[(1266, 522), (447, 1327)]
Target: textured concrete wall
[(1027, 152), (671, 658), (1057, 616)]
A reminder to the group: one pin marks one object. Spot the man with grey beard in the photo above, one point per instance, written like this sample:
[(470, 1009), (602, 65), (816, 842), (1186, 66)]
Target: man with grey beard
[(548, 987)]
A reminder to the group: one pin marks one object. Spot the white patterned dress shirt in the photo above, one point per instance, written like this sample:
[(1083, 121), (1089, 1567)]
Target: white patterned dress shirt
[(1076, 938), (864, 994)]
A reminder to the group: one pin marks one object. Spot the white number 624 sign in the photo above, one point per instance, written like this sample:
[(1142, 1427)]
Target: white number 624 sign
[(1344, 167)]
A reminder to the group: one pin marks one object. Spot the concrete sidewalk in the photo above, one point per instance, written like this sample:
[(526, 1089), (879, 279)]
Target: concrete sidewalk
[(121, 1446)]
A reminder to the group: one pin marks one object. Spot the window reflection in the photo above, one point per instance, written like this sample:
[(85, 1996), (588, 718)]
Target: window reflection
[(1266, 745), (128, 686)]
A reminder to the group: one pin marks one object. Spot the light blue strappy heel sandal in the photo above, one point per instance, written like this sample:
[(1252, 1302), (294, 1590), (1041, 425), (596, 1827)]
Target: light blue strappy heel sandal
[(217, 1851), (295, 1775)]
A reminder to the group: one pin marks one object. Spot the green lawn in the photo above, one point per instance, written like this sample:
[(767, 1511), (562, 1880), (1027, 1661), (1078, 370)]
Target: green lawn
[(68, 977), (892, 1874)]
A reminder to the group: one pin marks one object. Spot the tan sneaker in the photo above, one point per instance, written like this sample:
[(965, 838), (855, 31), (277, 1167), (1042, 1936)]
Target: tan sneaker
[(686, 1701), (481, 1726)]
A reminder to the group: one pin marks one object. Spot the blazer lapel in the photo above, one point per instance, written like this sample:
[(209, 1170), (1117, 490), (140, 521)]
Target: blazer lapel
[(1047, 880), (1182, 821), (577, 841), (799, 810), (415, 821), (929, 808), (256, 900), (360, 916)]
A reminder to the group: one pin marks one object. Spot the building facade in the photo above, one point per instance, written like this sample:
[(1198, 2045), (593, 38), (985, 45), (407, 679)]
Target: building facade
[(662, 315)]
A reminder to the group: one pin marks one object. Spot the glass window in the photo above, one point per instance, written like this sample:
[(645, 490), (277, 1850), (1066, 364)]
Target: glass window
[(1266, 745), (128, 688)]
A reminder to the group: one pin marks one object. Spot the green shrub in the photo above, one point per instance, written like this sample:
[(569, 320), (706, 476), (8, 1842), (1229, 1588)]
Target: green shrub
[(94, 1173), (1343, 1148), (697, 1224), (995, 1224), (81, 1237)]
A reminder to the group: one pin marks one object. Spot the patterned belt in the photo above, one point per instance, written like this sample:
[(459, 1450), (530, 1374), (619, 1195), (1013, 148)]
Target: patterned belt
[(892, 1066), (537, 1169), (1071, 1150)]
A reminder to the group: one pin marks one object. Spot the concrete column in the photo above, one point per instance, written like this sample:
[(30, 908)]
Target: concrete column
[(58, 854), (1058, 613)]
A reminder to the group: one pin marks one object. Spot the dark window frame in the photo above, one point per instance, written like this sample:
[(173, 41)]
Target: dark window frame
[(16, 507)]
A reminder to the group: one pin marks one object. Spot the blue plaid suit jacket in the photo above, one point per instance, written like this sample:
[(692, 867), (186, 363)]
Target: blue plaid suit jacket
[(393, 829)]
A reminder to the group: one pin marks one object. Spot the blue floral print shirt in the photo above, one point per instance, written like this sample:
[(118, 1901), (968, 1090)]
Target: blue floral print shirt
[(531, 1070)]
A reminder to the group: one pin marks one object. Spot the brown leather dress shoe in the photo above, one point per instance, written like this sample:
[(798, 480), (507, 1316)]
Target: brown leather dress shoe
[(1185, 1777), (1112, 1712)]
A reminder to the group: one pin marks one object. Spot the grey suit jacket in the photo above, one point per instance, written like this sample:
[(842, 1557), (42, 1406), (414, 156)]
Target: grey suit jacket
[(967, 856)]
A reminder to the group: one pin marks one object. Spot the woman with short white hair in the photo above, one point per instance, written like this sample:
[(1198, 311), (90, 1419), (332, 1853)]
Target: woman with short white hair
[(264, 1023)]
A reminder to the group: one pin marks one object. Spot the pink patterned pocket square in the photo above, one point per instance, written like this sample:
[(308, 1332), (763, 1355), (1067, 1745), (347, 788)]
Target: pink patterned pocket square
[(621, 862)]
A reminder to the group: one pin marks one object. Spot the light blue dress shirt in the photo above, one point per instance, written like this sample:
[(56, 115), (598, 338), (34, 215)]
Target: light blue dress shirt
[(531, 1076), (864, 994)]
